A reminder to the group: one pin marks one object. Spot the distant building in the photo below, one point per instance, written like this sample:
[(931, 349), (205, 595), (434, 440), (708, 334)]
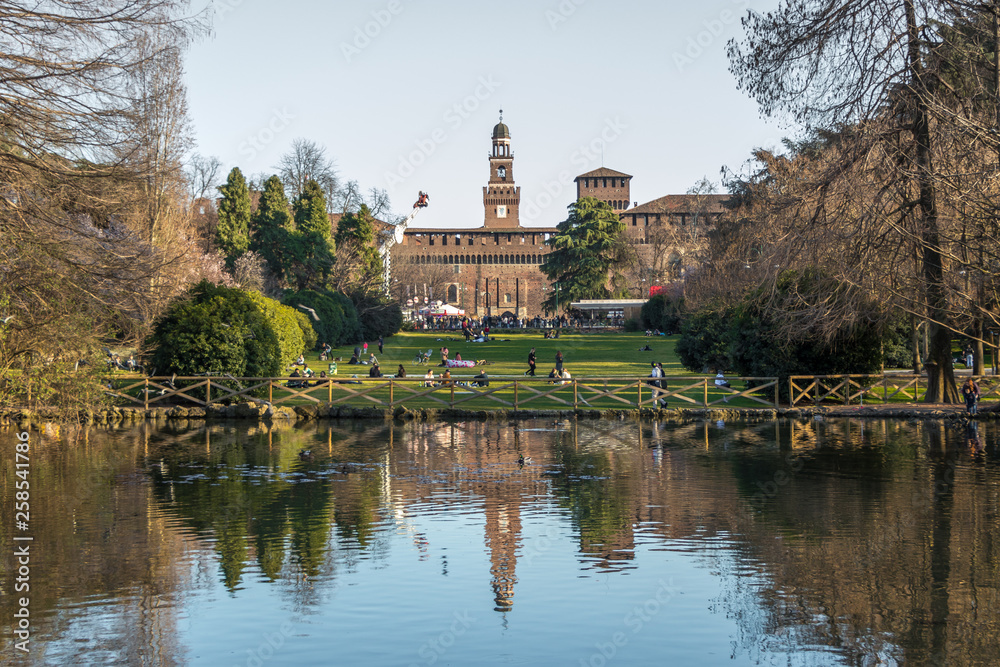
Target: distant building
[(495, 268)]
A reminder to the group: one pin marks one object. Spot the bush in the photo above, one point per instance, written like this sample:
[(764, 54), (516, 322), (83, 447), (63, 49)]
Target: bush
[(338, 320), (705, 340), (664, 313), (285, 321), (218, 330), (377, 316)]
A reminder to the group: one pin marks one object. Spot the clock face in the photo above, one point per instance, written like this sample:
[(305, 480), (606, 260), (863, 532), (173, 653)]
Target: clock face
[(501, 211), (502, 172)]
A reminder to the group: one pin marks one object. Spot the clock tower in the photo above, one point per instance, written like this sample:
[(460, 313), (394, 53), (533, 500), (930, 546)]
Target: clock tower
[(501, 198)]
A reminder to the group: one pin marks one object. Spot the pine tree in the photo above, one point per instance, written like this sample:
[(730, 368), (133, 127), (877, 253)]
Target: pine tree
[(233, 232), (272, 227), (356, 237), (588, 244), (312, 247)]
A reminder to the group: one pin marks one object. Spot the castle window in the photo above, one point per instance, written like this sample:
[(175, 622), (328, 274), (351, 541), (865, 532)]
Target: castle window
[(431, 240), (457, 268), (452, 293), (506, 298)]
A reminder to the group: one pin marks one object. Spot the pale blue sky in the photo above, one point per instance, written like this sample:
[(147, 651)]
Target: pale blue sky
[(404, 94)]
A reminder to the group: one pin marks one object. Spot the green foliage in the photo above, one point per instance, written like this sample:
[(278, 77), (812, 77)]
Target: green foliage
[(233, 232), (356, 232), (273, 227), (704, 342), (215, 329), (749, 341), (309, 335), (311, 247), (663, 312), (378, 316), (588, 243), (338, 320), (310, 211), (285, 321)]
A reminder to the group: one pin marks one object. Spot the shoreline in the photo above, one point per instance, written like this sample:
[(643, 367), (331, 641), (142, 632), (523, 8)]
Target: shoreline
[(263, 413)]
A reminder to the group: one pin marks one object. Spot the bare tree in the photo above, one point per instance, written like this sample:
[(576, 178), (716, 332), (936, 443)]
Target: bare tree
[(85, 196), (867, 64), (307, 161), (204, 175)]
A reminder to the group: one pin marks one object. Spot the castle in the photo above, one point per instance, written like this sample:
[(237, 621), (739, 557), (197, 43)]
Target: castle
[(495, 269)]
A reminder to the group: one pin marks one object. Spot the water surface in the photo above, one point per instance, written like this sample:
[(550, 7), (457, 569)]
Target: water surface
[(792, 543)]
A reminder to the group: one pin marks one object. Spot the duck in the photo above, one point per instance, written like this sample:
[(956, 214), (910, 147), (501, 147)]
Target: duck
[(522, 459), (306, 454)]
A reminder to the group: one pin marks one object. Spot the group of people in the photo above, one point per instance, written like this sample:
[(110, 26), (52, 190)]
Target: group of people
[(360, 351), (533, 362)]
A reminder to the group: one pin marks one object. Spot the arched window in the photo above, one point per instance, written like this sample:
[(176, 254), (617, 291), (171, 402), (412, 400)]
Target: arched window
[(452, 293)]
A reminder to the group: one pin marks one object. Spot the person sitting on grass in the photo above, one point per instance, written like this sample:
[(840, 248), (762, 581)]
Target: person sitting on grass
[(296, 383), (482, 380), (375, 371), (554, 374), (401, 372), (301, 361), (446, 378), (323, 379), (429, 378)]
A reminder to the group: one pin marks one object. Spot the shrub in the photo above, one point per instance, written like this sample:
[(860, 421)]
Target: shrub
[(338, 320), (705, 340), (215, 329), (285, 322), (663, 312)]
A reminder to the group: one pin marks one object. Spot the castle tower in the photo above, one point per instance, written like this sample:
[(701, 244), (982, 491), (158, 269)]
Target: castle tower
[(608, 185), (501, 198)]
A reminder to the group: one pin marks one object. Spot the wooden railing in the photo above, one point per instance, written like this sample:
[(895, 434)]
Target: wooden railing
[(880, 388), (516, 393)]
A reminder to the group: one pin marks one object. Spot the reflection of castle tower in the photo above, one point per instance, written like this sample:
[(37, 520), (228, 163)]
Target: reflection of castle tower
[(503, 535)]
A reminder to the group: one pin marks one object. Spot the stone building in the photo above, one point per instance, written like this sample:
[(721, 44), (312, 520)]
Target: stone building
[(495, 269)]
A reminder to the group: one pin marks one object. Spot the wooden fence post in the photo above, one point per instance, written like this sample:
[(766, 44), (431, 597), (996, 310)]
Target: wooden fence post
[(390, 392), (515, 395), (145, 391), (270, 392), (208, 393), (705, 391)]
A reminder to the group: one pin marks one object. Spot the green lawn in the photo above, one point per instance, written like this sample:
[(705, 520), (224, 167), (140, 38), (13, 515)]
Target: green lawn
[(584, 355)]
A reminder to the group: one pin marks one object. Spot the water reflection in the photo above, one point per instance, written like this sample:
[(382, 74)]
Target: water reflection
[(814, 542)]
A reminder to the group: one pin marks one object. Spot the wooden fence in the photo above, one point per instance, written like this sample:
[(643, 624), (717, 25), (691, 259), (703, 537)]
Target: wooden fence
[(881, 388), (516, 393)]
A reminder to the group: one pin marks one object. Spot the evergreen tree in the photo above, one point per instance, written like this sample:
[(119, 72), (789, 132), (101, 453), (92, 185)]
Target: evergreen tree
[(356, 239), (273, 227), (312, 247), (233, 232), (584, 250)]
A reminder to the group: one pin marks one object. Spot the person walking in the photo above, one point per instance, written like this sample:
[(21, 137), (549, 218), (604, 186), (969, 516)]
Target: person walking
[(970, 391), (531, 363), (968, 356), (380, 341), (656, 374), (559, 361)]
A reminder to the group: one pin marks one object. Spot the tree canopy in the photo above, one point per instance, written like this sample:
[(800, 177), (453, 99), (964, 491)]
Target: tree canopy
[(587, 254)]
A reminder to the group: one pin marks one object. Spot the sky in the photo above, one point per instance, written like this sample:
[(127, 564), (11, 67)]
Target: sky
[(404, 95)]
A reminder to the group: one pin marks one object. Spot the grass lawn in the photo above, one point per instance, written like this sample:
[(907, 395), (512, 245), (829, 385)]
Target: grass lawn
[(584, 355), (598, 355)]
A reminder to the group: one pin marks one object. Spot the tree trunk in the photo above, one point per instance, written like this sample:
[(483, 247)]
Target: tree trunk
[(941, 386)]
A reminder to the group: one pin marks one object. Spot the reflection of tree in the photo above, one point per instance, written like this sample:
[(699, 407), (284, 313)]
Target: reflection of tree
[(600, 500)]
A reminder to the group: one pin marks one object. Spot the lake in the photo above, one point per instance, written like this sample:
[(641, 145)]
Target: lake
[(836, 542)]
